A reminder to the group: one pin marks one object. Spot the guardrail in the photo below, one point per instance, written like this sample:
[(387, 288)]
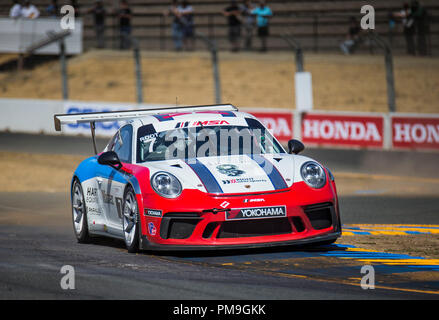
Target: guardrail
[(317, 128)]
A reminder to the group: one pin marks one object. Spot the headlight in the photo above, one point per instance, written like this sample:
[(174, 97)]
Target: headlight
[(166, 185), (313, 174)]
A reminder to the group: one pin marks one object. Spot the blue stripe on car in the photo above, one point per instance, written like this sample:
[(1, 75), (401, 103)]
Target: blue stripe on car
[(206, 177), (271, 171)]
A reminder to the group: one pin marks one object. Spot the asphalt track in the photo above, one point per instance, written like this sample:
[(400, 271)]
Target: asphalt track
[(36, 240)]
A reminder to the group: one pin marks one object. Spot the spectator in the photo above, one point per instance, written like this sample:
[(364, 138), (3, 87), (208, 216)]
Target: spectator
[(408, 27), (52, 9), (249, 23), (75, 5), (353, 37), (262, 13), (233, 14), (125, 24), (99, 13), (421, 26), (177, 25), (187, 17), (29, 11), (15, 11)]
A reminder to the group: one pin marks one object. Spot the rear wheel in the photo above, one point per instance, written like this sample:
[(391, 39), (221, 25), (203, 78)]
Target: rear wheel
[(130, 221), (79, 213)]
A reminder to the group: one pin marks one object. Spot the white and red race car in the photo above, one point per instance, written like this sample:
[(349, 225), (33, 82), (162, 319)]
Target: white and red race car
[(203, 177)]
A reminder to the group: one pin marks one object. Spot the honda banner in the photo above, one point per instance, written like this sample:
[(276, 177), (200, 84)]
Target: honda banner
[(280, 124), (415, 132), (352, 130)]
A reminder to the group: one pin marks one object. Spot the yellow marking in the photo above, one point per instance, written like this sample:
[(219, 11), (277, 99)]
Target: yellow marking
[(349, 283), (392, 229), (227, 264), (419, 262)]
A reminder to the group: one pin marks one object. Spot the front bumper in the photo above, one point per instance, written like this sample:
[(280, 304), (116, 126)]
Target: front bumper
[(312, 216), (147, 245)]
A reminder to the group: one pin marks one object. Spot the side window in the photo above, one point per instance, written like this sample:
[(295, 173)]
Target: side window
[(110, 145), (123, 143)]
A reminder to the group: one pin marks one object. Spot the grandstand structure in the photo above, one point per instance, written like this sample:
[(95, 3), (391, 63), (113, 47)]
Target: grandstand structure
[(319, 25)]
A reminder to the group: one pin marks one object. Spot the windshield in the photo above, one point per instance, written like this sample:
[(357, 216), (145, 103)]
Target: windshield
[(205, 141)]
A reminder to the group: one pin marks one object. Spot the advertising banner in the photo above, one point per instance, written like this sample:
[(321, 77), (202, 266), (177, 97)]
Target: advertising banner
[(415, 132), (352, 130), (280, 124), (106, 129)]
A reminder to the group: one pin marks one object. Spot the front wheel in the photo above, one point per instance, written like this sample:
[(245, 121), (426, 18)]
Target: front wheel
[(79, 213), (130, 221)]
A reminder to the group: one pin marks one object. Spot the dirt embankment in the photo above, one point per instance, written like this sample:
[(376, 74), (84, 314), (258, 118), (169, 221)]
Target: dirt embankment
[(354, 83)]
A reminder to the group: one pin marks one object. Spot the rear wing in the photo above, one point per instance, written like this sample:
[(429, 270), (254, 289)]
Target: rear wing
[(75, 118), (93, 117)]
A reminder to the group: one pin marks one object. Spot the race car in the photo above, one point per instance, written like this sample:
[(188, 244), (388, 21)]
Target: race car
[(199, 177)]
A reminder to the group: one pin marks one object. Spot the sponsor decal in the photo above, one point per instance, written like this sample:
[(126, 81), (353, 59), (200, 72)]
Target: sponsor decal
[(107, 198), (152, 230), (243, 180), (91, 195), (409, 132), (343, 130), (93, 210), (201, 123), (148, 137), (170, 116), (225, 204), (279, 124), (257, 213), (230, 170), (153, 213), (253, 200)]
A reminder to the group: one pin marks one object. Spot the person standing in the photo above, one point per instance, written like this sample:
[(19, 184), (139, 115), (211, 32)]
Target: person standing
[(408, 27), (177, 25), (52, 9), (29, 11), (353, 37), (99, 13), (249, 23), (187, 17), (124, 25), (233, 14), (262, 13), (15, 11), (421, 26)]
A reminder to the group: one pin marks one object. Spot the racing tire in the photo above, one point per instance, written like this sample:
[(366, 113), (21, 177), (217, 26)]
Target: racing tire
[(79, 213), (130, 221)]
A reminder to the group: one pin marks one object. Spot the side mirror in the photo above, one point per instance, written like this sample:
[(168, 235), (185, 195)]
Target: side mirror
[(295, 146), (110, 158)]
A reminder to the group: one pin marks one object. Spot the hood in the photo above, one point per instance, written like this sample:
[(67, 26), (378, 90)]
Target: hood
[(231, 174)]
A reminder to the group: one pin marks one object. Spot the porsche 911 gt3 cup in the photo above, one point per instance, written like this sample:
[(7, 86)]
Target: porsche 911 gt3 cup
[(203, 177)]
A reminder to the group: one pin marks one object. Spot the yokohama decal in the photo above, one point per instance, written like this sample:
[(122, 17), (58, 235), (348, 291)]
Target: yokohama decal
[(363, 131), (409, 132)]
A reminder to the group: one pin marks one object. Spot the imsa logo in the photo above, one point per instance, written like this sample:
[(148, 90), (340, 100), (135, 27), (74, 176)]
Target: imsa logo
[(257, 213)]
